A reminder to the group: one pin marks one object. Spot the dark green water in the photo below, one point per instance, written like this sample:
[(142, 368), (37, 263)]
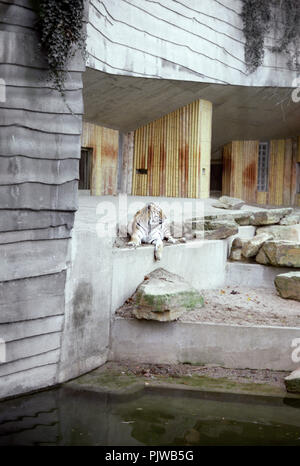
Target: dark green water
[(68, 417)]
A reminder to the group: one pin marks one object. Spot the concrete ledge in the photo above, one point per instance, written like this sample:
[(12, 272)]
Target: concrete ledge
[(201, 263), (252, 275), (203, 343)]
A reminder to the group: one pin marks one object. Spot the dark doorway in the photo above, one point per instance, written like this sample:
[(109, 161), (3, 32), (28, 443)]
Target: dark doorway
[(85, 168), (216, 178)]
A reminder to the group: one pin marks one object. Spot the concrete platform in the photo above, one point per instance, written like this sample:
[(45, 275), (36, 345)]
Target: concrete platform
[(252, 275), (232, 346)]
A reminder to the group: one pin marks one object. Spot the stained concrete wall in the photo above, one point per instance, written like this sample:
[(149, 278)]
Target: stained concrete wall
[(39, 157), (187, 40), (234, 346), (85, 337)]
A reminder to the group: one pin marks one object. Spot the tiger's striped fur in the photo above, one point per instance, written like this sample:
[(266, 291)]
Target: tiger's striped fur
[(150, 226)]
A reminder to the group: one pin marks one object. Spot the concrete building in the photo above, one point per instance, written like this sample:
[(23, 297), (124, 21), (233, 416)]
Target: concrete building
[(149, 66)]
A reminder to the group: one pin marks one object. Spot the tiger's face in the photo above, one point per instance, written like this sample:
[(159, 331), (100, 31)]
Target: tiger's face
[(155, 213)]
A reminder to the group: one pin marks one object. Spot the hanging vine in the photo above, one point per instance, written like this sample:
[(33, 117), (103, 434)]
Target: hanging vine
[(60, 27), (258, 16), (289, 41)]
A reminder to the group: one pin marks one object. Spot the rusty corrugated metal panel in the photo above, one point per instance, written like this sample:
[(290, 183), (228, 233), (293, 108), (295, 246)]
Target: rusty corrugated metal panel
[(262, 197), (287, 172), (276, 172), (226, 174), (170, 150), (105, 145), (240, 160), (240, 171), (249, 170)]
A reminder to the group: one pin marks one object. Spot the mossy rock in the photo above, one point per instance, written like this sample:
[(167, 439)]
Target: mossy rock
[(164, 296)]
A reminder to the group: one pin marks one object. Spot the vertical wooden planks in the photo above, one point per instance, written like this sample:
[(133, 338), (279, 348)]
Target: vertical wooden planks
[(240, 171), (170, 148), (105, 145), (276, 172)]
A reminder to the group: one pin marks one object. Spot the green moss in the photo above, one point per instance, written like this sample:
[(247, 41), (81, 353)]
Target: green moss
[(223, 385), (107, 379), (123, 381), (186, 299)]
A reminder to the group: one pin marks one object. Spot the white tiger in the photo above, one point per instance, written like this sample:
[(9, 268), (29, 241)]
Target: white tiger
[(150, 226)]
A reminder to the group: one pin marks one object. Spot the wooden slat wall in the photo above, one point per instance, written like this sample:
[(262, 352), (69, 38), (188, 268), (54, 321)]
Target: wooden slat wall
[(39, 158), (175, 151), (276, 172), (227, 169), (240, 160), (105, 145), (240, 165)]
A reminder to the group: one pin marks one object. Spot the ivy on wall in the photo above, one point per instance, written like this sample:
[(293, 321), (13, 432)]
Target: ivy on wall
[(60, 27), (259, 17), (256, 15)]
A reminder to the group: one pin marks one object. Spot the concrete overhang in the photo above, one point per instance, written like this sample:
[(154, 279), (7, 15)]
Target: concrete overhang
[(239, 112)]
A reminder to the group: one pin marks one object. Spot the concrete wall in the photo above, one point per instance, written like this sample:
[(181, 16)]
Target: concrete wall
[(85, 337), (201, 263), (187, 40), (233, 346), (39, 157)]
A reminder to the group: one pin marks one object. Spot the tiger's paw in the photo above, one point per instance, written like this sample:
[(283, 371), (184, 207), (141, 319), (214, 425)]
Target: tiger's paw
[(158, 251), (172, 240), (133, 244), (157, 255)]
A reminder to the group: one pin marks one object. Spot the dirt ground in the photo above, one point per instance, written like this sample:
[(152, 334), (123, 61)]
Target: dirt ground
[(240, 306), (165, 371)]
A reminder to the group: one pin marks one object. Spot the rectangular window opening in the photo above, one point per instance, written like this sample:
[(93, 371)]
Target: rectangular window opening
[(263, 167), (142, 171), (85, 168), (298, 177)]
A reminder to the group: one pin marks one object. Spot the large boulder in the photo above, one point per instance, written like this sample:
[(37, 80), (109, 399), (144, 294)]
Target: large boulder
[(288, 285), (227, 202), (279, 253), (283, 232), (164, 296), (270, 216), (242, 218), (291, 219), (292, 382), (253, 245), (220, 229)]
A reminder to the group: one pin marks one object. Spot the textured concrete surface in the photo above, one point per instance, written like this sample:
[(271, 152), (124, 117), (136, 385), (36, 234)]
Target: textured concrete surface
[(252, 275), (234, 346), (85, 337)]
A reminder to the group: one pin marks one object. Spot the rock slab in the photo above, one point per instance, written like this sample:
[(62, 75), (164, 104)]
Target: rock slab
[(288, 285), (220, 229), (280, 254), (227, 202), (292, 382), (164, 296), (283, 232), (251, 247), (269, 217)]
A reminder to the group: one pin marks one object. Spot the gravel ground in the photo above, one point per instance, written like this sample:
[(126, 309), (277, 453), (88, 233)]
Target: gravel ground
[(150, 371), (240, 306)]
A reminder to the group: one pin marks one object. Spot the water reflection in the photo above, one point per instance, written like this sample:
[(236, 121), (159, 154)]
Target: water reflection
[(68, 417)]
